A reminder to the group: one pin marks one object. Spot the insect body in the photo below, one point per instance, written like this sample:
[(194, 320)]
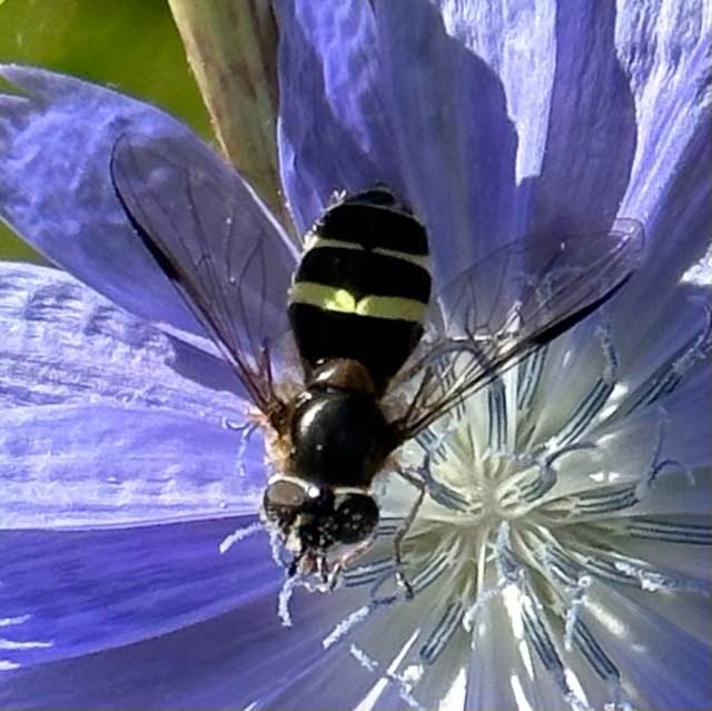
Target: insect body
[(357, 306), (357, 310)]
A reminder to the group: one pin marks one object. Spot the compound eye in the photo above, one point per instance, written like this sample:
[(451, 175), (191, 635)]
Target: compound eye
[(283, 500), (356, 518)]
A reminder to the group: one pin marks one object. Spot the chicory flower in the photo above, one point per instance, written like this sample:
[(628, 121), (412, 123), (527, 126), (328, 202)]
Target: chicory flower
[(560, 560)]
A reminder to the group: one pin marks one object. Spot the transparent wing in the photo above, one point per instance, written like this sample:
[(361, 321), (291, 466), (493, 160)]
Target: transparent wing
[(224, 253), (508, 305)]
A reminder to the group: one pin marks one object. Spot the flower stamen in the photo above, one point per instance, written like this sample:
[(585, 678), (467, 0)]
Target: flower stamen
[(671, 374), (441, 635), (599, 394)]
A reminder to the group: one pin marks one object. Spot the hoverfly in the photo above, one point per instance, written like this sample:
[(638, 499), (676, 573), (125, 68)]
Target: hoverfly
[(357, 310)]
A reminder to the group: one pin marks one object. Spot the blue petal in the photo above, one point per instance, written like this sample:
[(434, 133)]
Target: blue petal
[(662, 666), (665, 50), (106, 419), (664, 448), (499, 652), (670, 187), (333, 128), (56, 189), (591, 134), (663, 345), (338, 680), (570, 101), (60, 342), (677, 225), (71, 593), (518, 42), (92, 465), (393, 98), (456, 143), (227, 662)]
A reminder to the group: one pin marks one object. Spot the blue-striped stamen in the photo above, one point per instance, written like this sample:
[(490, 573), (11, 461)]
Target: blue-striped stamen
[(438, 639)]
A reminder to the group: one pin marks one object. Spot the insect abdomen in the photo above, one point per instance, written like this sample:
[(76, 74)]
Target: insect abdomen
[(362, 287)]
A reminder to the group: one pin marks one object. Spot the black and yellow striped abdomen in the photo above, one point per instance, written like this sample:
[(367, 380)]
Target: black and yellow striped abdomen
[(362, 287)]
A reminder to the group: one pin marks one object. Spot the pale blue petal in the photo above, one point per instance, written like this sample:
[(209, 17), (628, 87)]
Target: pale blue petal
[(60, 342), (664, 49), (93, 465)]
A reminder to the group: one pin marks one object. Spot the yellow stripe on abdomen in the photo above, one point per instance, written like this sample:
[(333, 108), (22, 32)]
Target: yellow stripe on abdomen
[(314, 241), (331, 298)]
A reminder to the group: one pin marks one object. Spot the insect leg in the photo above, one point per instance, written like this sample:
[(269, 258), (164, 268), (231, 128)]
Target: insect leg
[(266, 366), (293, 567), (335, 572), (419, 484)]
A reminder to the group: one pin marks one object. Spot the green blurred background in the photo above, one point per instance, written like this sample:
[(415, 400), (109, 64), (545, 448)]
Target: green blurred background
[(132, 45)]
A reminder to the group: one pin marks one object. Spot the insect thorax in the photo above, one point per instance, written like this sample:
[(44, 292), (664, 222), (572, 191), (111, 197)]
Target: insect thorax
[(339, 437)]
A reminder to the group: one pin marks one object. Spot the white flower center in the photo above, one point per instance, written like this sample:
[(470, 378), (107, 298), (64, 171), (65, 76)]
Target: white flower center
[(523, 505)]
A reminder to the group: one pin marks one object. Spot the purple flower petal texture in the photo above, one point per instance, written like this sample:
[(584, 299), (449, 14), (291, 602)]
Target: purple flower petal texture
[(104, 420), (560, 559), (56, 137)]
